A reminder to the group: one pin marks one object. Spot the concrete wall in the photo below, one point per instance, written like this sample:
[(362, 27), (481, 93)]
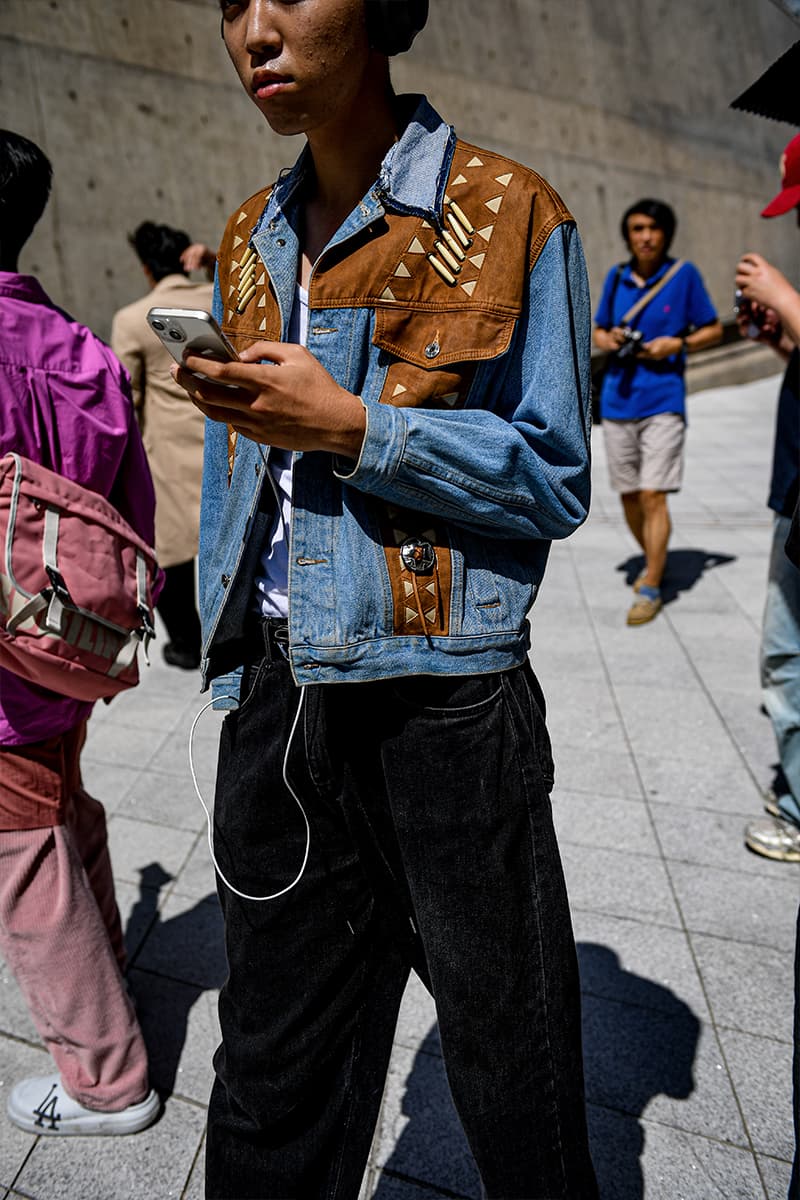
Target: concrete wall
[(138, 108)]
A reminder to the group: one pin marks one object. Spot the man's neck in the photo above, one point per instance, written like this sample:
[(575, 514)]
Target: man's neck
[(347, 161), (645, 271)]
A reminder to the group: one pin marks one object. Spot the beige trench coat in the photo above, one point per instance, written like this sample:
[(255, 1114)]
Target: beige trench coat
[(172, 428)]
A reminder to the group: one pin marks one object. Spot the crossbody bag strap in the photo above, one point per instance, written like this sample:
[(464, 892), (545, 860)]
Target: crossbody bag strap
[(644, 300)]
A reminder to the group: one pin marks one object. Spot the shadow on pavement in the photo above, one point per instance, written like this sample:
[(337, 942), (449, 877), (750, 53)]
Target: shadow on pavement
[(685, 568), (173, 962), (640, 1041)]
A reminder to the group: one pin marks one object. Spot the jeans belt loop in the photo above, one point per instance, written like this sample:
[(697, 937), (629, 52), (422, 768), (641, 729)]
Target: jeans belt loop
[(275, 632)]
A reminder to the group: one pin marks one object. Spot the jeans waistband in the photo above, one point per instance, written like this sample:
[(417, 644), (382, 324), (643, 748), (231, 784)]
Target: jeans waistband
[(273, 634)]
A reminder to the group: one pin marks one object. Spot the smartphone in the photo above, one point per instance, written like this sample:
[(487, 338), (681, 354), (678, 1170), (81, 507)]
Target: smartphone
[(742, 305), (192, 329)]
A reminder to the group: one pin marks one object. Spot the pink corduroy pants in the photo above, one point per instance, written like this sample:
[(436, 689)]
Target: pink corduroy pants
[(60, 930)]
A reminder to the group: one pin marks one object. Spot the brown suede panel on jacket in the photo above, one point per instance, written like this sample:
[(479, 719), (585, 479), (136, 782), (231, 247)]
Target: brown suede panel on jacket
[(443, 301)]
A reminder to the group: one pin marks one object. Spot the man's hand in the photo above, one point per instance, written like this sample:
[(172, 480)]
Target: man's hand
[(609, 339), (759, 324), (764, 285), (199, 257), (660, 347), (290, 401)]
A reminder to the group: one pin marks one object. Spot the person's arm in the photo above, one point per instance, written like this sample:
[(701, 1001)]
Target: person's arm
[(699, 317), (607, 335), (199, 257), (517, 467), (765, 285), (126, 346)]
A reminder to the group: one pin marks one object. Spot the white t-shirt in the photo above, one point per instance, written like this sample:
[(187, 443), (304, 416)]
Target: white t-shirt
[(272, 580)]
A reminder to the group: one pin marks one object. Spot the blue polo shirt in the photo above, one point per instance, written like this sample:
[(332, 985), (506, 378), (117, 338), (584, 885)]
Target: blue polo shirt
[(632, 388)]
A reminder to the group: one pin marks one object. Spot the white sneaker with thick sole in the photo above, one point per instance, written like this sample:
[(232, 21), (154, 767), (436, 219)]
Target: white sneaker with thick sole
[(774, 839), (40, 1105)]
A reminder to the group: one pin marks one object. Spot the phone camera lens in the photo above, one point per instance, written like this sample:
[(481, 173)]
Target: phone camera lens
[(159, 325), (176, 335)]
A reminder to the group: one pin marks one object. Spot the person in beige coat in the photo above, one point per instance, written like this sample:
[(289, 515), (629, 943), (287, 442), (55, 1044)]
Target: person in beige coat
[(172, 429)]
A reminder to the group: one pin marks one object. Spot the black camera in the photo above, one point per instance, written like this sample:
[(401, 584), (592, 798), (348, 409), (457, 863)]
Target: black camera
[(633, 340)]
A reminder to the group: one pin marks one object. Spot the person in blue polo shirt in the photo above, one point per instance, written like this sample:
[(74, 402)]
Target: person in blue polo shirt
[(654, 310)]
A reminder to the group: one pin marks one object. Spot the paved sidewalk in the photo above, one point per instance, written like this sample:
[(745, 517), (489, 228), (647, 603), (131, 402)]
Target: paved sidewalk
[(685, 938)]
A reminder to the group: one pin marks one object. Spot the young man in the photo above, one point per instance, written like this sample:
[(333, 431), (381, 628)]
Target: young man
[(770, 312), (643, 397), (64, 402), (172, 429), (412, 315)]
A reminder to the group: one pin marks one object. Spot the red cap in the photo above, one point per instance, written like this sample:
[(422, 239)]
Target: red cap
[(789, 196)]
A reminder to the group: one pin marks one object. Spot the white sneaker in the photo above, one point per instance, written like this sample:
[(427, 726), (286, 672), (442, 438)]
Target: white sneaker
[(41, 1105)]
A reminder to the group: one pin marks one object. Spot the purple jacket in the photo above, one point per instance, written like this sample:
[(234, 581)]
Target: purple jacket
[(65, 402)]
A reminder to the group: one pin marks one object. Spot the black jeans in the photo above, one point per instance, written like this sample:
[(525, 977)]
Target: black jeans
[(431, 847), (177, 607)]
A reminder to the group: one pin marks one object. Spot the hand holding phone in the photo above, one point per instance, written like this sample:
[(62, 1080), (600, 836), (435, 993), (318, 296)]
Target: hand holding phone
[(191, 330)]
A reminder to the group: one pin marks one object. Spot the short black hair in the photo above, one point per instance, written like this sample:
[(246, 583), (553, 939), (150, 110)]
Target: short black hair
[(25, 178), (659, 212), (160, 248)]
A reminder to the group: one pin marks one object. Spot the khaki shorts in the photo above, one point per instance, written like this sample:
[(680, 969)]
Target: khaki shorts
[(645, 455)]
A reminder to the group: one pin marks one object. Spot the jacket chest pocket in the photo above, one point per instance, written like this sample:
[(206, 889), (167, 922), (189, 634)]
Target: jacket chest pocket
[(431, 357)]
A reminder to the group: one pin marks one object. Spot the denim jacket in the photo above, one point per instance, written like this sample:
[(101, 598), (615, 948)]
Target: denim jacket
[(453, 300)]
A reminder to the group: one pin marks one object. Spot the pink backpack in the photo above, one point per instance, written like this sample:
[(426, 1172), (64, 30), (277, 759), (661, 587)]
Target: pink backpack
[(76, 585)]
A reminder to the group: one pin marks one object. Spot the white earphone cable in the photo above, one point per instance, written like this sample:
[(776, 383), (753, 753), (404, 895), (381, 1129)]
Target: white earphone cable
[(295, 797)]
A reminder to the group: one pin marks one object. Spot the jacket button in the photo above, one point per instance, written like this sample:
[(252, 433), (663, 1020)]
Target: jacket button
[(432, 349), (418, 555), (226, 580)]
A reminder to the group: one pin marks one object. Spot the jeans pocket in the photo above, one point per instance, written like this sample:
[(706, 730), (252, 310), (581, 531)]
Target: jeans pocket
[(449, 695), (252, 674), (538, 727)]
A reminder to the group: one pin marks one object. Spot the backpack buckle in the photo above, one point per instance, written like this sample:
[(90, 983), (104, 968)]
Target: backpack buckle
[(58, 585)]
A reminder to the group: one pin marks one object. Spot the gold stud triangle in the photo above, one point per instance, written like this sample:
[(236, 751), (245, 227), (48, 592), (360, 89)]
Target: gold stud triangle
[(475, 162), (416, 247), (399, 389), (403, 271)]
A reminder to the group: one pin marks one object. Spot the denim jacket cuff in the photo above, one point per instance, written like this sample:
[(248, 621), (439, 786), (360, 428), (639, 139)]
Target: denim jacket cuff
[(382, 449)]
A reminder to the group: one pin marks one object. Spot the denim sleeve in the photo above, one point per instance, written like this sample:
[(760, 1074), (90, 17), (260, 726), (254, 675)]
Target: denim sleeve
[(517, 466), (212, 507)]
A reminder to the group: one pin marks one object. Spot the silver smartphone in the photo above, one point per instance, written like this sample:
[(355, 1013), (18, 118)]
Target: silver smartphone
[(192, 329)]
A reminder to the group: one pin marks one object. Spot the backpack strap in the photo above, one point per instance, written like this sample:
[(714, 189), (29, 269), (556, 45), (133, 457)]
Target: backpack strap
[(644, 300)]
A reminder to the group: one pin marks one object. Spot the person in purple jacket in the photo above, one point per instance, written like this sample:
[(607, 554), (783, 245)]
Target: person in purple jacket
[(64, 402)]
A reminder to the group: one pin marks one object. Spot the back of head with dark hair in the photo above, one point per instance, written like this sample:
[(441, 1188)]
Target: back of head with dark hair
[(659, 212), (25, 177), (160, 248)]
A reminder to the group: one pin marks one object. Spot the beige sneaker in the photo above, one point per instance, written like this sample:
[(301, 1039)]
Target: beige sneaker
[(774, 839), (643, 609)]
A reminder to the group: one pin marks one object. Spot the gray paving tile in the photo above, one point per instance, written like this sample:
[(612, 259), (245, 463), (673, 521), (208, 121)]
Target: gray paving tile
[(121, 745), (416, 1022), (762, 1074), (17, 1061), (750, 988), (776, 1176), (705, 838), (195, 1188), (181, 1030), (136, 844), (166, 800), (608, 822), (609, 881), (598, 772), (724, 787), (185, 943), (108, 782), (14, 1016), (172, 757), (732, 904), (197, 877), (155, 1162), (388, 1188), (636, 963), (421, 1137), (672, 717), (665, 1066), (642, 1158)]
